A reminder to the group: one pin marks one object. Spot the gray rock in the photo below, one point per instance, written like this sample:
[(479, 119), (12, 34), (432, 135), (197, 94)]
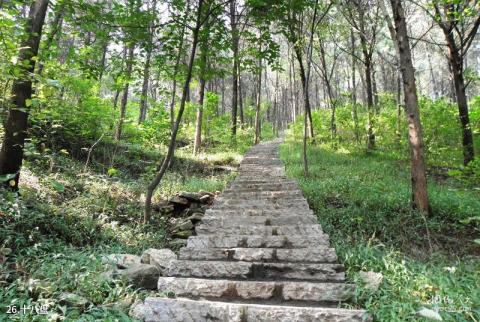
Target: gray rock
[(161, 258), (73, 300), (141, 275), (371, 279), (121, 260), (195, 197), (256, 290), (179, 200), (183, 225), (183, 310), (195, 217), (429, 314), (183, 234)]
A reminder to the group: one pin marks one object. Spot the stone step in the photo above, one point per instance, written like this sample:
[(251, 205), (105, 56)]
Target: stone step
[(290, 205), (264, 203), (261, 190), (261, 193), (284, 184), (260, 212), (232, 290), (253, 241), (261, 181), (232, 220), (186, 310), (307, 255), (256, 270), (262, 230), (267, 197)]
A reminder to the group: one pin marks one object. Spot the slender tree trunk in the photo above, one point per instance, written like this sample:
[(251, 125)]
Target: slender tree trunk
[(415, 137), (354, 91), (171, 147), (144, 96), (240, 98), (117, 92), (235, 41), (367, 61), (258, 102), (201, 94), (370, 105), (123, 104), (375, 92), (176, 67), (456, 64), (16, 123), (399, 106), (146, 69), (56, 26)]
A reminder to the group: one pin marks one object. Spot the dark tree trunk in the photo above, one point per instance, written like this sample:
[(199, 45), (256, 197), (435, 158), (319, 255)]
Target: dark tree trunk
[(56, 26), (306, 99), (258, 102), (456, 64), (144, 96), (123, 103), (16, 123), (370, 105), (354, 91), (415, 137), (240, 98), (175, 70), (201, 94), (235, 41)]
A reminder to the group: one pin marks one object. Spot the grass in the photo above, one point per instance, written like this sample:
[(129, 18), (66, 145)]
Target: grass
[(362, 202), (66, 218)]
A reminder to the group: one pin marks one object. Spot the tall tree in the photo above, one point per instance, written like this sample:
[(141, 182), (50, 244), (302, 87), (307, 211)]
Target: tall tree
[(16, 123), (459, 21), (126, 87), (146, 69), (364, 19), (200, 18), (235, 67), (415, 136)]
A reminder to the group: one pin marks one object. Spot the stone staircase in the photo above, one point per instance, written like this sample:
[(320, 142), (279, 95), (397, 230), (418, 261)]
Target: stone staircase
[(259, 255)]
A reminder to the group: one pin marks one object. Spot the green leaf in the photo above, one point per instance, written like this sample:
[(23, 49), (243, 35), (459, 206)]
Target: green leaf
[(112, 172), (7, 177), (57, 186)]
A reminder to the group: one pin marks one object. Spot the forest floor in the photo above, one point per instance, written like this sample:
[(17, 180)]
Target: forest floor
[(69, 216), (362, 202)]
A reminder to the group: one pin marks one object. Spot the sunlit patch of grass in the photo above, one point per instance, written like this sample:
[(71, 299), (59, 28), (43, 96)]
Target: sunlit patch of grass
[(68, 216), (363, 203)]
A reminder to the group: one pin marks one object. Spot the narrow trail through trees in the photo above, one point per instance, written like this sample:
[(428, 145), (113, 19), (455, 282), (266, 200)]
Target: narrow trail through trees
[(259, 255)]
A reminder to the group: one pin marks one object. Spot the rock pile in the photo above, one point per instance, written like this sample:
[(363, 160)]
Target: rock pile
[(184, 211), (142, 271)]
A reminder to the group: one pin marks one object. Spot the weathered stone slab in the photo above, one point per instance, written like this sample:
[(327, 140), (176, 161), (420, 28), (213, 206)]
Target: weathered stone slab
[(260, 212), (262, 230), (307, 255), (158, 257), (141, 275), (319, 254), (256, 290), (256, 270), (253, 241), (185, 310)]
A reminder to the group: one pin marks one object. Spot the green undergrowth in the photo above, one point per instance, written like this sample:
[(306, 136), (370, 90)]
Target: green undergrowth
[(362, 202), (68, 215)]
